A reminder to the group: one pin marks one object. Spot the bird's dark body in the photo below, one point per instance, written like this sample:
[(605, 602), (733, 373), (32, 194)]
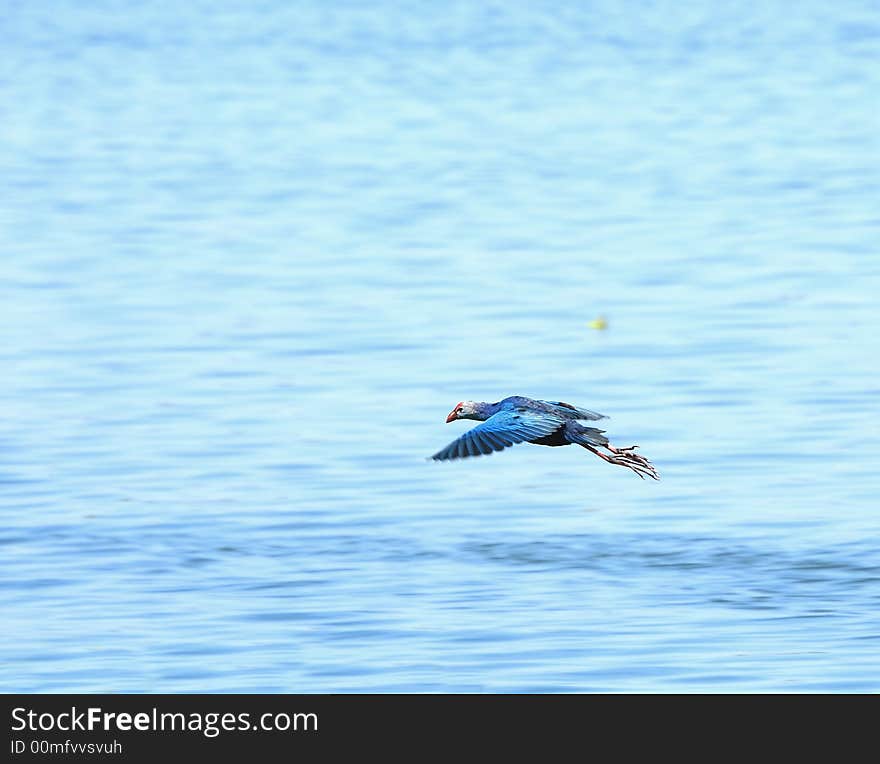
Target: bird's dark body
[(571, 433), (518, 419), (556, 438)]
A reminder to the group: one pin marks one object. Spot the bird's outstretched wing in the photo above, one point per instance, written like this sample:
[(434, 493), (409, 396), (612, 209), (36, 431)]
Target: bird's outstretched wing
[(581, 413), (499, 431)]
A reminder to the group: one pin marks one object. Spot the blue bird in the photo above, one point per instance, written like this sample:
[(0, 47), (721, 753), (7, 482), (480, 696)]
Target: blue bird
[(546, 423)]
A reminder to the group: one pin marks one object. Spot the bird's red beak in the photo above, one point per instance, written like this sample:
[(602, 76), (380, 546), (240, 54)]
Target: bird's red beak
[(453, 415)]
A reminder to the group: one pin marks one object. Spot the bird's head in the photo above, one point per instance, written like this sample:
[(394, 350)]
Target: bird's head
[(463, 410)]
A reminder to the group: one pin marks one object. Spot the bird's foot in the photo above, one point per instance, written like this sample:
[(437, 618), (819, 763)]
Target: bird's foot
[(627, 457)]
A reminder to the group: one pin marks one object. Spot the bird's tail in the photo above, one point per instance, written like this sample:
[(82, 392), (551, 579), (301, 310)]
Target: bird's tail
[(585, 436), (594, 440)]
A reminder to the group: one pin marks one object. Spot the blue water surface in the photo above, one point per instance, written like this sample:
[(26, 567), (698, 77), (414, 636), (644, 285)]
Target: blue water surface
[(251, 255)]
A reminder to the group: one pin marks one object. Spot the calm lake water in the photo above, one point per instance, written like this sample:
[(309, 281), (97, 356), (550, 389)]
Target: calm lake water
[(254, 253)]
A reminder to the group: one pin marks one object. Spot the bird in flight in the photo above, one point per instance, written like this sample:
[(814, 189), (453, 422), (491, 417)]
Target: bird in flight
[(546, 423)]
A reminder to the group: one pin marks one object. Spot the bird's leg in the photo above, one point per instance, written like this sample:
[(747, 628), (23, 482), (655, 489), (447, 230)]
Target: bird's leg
[(613, 450), (627, 457)]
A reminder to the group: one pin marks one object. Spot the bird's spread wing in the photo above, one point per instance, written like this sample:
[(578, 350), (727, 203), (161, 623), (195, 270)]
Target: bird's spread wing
[(581, 413), (499, 431)]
